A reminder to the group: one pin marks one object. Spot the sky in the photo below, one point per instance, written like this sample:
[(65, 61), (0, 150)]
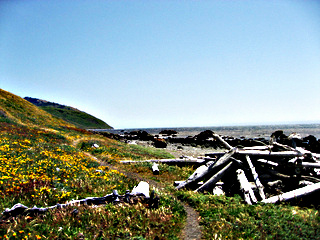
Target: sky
[(144, 64)]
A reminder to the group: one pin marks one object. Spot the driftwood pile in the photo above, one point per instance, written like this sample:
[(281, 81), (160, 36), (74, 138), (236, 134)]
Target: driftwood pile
[(270, 173), (140, 193)]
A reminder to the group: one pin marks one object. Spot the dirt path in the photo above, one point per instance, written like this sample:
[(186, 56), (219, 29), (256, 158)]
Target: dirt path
[(192, 230)]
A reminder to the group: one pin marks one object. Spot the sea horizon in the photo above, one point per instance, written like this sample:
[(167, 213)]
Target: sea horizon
[(248, 131)]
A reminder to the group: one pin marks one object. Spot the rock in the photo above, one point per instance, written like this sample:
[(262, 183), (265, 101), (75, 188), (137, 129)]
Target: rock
[(205, 135), (159, 143), (168, 132)]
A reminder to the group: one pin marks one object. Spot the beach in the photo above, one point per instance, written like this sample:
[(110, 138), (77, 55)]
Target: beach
[(249, 132)]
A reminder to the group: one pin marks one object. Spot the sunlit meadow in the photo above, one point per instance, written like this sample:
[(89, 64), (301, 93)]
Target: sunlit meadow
[(42, 167)]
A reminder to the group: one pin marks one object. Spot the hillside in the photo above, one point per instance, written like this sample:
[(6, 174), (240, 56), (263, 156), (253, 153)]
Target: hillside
[(15, 109), (69, 114)]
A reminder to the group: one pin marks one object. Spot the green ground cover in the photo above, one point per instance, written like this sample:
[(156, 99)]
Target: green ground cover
[(43, 167), (229, 218)]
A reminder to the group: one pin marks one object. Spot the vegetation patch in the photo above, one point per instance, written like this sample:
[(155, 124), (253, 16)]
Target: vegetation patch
[(42, 167), (69, 114), (112, 151), (223, 217), (122, 221), (168, 174)]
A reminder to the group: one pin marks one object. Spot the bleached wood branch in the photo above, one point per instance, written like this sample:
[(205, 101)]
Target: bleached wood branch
[(256, 178), (293, 194), (209, 168), (265, 153), (222, 141), (142, 189), (214, 179), (176, 160), (268, 162), (245, 187)]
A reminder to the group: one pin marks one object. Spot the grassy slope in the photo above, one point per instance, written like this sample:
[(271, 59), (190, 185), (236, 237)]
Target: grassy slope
[(16, 109), (76, 117), (72, 115)]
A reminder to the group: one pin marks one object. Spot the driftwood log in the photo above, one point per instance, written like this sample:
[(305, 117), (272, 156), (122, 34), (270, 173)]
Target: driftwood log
[(138, 193), (224, 143), (168, 161), (256, 178), (304, 191), (214, 179), (197, 176), (245, 187), (205, 170)]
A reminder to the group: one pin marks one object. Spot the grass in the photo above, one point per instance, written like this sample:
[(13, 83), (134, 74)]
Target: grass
[(43, 167), (78, 118), (167, 173), (223, 217), (18, 110), (121, 221), (111, 151), (69, 114)]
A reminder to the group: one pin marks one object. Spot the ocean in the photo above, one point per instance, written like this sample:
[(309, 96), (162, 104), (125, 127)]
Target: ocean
[(254, 131)]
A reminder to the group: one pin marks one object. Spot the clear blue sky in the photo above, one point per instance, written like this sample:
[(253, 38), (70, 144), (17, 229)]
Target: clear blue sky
[(137, 64)]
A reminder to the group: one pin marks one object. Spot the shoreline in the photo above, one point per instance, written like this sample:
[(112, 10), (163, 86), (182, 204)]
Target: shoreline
[(197, 144), (249, 131)]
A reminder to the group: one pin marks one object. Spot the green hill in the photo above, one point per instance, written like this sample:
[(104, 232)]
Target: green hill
[(69, 114), (16, 109)]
